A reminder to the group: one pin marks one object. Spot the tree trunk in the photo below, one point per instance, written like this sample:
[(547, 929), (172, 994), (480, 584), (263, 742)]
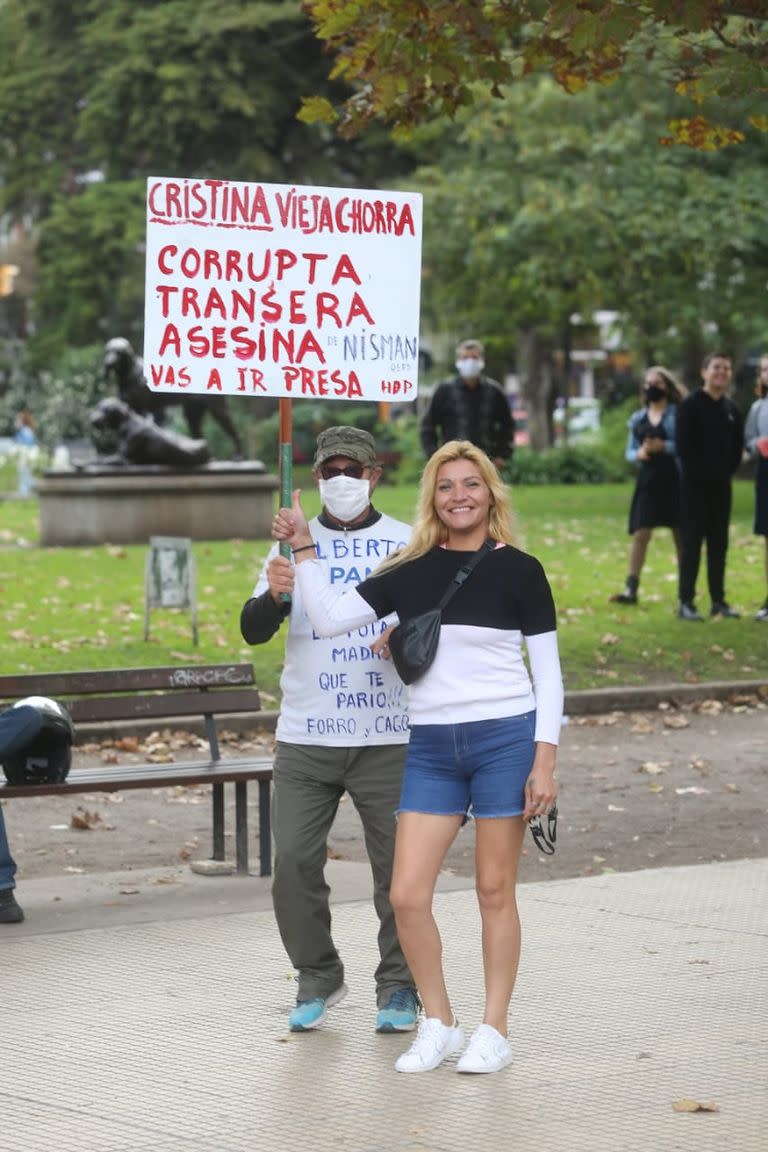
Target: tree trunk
[(538, 386), (693, 354)]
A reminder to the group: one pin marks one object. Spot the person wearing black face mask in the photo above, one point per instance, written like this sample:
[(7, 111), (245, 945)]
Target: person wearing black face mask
[(656, 497), (756, 437)]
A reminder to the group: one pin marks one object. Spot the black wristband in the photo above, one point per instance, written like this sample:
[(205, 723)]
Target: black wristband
[(305, 548)]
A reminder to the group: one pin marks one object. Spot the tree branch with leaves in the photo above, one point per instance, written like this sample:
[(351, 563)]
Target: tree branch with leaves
[(410, 60)]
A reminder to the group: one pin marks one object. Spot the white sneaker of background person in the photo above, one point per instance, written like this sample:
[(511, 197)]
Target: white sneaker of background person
[(434, 1042)]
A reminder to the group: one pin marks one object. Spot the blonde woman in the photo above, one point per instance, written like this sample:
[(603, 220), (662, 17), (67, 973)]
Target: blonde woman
[(482, 736)]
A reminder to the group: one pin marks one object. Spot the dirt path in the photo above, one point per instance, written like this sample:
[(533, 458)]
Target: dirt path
[(638, 790)]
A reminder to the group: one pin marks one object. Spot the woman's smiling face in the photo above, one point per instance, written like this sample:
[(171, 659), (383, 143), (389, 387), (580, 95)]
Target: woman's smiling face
[(463, 501)]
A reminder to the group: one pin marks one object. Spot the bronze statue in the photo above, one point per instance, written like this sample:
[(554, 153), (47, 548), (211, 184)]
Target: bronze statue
[(132, 388), (140, 441)]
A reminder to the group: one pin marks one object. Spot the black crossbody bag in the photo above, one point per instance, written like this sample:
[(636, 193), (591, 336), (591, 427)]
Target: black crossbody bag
[(413, 643)]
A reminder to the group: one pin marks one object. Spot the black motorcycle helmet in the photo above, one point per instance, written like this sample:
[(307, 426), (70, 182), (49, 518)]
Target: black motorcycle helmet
[(47, 756)]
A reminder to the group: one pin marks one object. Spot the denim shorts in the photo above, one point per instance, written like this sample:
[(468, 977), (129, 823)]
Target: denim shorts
[(478, 768)]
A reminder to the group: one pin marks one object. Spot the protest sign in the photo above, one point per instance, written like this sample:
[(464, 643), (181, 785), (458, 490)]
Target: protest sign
[(279, 290)]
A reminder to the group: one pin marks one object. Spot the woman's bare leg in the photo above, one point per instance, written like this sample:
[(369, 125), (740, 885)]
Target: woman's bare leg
[(498, 846), (640, 540), (421, 843), (677, 537)]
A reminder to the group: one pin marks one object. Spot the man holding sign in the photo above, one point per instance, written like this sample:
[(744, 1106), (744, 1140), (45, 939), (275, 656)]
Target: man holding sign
[(343, 727)]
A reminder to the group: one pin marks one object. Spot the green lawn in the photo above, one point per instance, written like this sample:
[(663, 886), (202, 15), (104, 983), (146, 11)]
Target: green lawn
[(79, 608)]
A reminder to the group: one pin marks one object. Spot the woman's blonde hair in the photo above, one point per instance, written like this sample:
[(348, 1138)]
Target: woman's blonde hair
[(677, 390), (428, 528)]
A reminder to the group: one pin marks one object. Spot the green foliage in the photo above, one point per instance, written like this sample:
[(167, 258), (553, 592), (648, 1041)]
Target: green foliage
[(413, 61), (91, 254), (558, 466), (612, 438), (59, 399), (541, 206), (310, 417), (96, 96), (80, 608)]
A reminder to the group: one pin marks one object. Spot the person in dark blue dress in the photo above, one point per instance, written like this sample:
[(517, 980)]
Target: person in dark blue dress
[(756, 437), (656, 497)]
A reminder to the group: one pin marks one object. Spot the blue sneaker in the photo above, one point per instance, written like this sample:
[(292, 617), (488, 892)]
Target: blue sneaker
[(309, 1014), (399, 1013)]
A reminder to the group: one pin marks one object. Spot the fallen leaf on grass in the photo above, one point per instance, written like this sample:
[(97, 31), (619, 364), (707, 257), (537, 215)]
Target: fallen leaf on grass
[(609, 638), (686, 1105)]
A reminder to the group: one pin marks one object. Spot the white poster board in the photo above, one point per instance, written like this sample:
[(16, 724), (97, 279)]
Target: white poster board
[(281, 290)]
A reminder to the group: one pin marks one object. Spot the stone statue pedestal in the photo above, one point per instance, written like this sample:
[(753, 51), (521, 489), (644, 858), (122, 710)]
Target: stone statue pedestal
[(126, 505)]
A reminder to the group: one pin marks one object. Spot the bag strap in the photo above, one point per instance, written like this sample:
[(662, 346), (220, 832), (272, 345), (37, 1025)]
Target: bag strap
[(464, 571)]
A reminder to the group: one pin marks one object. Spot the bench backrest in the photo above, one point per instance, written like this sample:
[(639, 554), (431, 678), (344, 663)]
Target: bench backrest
[(206, 690)]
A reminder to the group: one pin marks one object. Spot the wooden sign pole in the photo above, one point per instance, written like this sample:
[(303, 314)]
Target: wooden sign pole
[(285, 457)]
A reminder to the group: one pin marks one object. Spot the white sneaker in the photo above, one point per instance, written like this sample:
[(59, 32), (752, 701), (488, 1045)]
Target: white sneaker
[(434, 1041), (487, 1051)]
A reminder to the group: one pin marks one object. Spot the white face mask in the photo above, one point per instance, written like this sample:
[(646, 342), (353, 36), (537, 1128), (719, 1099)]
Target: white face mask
[(469, 367), (344, 497)]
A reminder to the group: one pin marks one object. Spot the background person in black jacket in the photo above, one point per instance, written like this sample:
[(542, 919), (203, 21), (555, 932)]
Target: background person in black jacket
[(710, 444), (470, 406)]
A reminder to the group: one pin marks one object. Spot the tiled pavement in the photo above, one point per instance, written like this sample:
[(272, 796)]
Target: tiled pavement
[(159, 1026)]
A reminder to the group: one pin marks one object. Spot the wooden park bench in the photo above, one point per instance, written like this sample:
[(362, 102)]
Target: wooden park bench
[(159, 694)]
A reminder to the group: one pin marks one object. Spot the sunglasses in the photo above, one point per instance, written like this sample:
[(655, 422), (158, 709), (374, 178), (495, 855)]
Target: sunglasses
[(330, 472), (545, 835)]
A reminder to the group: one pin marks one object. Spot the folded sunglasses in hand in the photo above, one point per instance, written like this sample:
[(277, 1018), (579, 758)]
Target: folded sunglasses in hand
[(544, 831)]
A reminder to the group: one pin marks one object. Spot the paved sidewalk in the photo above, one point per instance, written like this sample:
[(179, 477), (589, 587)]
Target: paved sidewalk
[(145, 1012)]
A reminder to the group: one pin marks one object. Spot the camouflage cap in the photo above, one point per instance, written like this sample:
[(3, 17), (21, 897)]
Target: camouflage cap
[(355, 443)]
